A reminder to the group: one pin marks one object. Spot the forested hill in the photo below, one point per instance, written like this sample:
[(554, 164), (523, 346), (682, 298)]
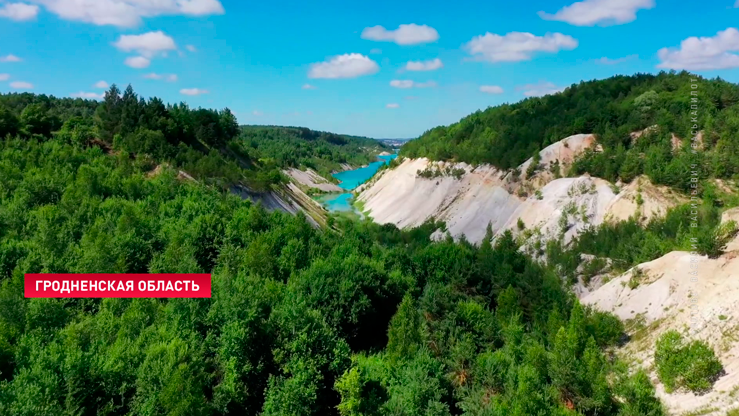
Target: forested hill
[(207, 144), (197, 141), (508, 134), (301, 147)]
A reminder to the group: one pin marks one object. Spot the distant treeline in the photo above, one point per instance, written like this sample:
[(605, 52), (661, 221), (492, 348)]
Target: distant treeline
[(300, 147)]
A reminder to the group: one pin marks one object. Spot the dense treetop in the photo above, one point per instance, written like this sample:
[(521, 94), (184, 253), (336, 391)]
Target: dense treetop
[(207, 144)]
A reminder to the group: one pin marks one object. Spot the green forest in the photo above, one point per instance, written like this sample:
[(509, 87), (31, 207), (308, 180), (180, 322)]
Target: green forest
[(357, 320), (206, 144), (303, 148), (507, 135)]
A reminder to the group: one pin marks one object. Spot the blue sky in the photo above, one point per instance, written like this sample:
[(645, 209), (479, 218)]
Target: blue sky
[(257, 57)]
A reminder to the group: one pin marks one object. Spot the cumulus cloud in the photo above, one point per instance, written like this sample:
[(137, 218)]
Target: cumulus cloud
[(540, 89), (608, 61), (87, 95), (19, 11), (101, 84), (148, 45), (137, 62), (393, 105), (191, 48), (4, 77), (517, 46), (491, 89), (166, 77), (10, 58), (406, 83), (603, 12), (429, 65), (193, 91), (21, 85), (127, 13), (411, 34), (349, 65), (705, 53), (309, 87)]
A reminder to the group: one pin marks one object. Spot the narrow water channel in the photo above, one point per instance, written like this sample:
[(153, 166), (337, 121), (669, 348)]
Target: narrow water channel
[(351, 179)]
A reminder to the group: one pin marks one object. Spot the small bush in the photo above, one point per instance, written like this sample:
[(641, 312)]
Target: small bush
[(636, 277), (693, 366)]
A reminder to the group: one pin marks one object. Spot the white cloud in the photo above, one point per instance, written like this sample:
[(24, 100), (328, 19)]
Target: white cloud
[(491, 89), (541, 89), (193, 91), (191, 48), (87, 95), (257, 113), (393, 105), (21, 85), (608, 61), (604, 12), (148, 45), (127, 13), (349, 65), (430, 65), (377, 51), (694, 54), (4, 77), (19, 11), (411, 34), (309, 87), (517, 46), (10, 58), (406, 83), (398, 83), (166, 77), (101, 84), (137, 62)]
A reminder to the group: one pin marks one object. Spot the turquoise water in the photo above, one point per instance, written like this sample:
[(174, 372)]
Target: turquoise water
[(353, 178), (336, 202), (350, 179)]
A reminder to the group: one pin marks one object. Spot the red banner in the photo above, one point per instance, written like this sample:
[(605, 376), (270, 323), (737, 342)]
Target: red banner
[(110, 285)]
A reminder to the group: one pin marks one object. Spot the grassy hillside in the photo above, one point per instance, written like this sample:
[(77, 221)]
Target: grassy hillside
[(508, 134)]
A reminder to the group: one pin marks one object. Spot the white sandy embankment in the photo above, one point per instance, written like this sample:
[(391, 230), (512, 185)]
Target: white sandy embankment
[(484, 196), (312, 179), (664, 297)]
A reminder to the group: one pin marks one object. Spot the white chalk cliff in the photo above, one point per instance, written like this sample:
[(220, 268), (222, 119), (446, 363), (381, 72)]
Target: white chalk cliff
[(484, 195)]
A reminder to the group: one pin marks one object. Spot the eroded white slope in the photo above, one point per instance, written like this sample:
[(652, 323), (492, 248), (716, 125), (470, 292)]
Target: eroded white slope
[(485, 196), (666, 298)]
